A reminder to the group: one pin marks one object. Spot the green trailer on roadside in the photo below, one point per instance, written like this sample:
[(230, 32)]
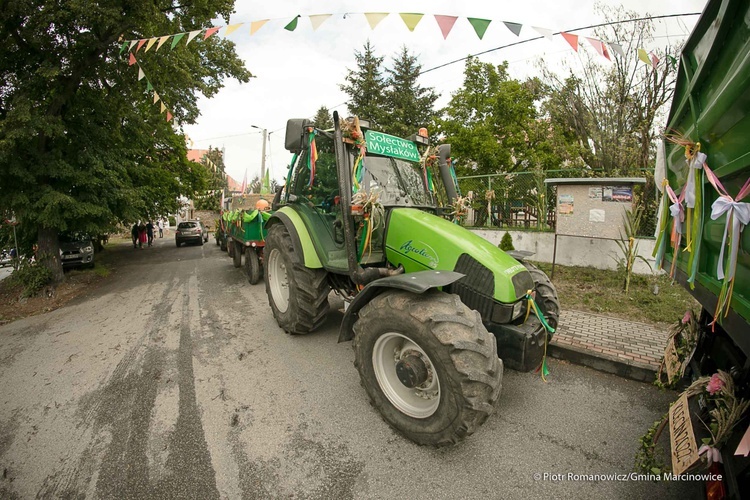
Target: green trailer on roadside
[(246, 234)]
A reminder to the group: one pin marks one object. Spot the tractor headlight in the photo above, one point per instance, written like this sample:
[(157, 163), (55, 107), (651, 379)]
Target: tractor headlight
[(518, 309), (505, 313)]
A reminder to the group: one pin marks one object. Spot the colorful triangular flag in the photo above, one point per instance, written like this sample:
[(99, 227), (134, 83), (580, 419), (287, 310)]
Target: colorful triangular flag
[(546, 33), (149, 87), (132, 43), (317, 20), (571, 39), (605, 52), (618, 49), (643, 56), (161, 42), (151, 43), (211, 31), (374, 18), (597, 44), (672, 60), (411, 20), (132, 60), (141, 74), (192, 35), (163, 107), (232, 28), (479, 25), (123, 47), (446, 24), (169, 116), (156, 97), (515, 28), (654, 60), (177, 39), (292, 24), (140, 44), (256, 25)]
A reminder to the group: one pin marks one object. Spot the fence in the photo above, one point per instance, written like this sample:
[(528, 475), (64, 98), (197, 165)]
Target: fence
[(519, 200)]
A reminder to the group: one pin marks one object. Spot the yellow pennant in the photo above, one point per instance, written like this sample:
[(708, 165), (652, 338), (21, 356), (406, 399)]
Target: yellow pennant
[(374, 18), (317, 20), (411, 20), (156, 97), (161, 42), (232, 28), (256, 25), (150, 43)]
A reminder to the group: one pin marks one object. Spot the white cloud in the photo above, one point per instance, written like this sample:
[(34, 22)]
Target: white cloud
[(298, 72)]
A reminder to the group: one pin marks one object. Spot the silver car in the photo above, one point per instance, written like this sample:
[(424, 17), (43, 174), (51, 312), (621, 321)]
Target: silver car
[(190, 230)]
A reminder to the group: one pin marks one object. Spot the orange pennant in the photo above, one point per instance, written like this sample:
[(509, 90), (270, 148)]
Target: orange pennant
[(211, 31), (169, 116), (256, 25), (140, 44), (571, 39), (132, 60)]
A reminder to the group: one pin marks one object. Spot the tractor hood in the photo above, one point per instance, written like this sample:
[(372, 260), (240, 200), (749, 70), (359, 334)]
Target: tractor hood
[(419, 240)]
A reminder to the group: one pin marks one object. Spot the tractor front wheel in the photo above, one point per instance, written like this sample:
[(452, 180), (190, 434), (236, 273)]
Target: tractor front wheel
[(252, 266), (428, 365), (297, 294), (546, 296)]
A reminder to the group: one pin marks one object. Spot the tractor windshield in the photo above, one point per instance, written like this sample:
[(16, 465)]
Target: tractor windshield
[(398, 181)]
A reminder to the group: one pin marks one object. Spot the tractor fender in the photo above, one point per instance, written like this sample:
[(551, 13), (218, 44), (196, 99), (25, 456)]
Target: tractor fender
[(301, 240), (418, 282)]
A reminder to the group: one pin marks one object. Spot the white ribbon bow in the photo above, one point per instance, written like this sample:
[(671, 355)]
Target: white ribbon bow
[(713, 455), (678, 215), (739, 213), (698, 160)]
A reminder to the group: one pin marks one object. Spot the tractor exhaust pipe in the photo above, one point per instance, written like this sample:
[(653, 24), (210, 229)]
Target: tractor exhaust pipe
[(444, 153)]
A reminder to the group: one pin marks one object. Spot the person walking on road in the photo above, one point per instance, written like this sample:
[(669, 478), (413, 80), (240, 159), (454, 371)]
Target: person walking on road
[(150, 232), (142, 237), (161, 228), (134, 232)]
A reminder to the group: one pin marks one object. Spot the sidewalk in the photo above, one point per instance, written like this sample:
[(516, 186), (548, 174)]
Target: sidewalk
[(626, 348)]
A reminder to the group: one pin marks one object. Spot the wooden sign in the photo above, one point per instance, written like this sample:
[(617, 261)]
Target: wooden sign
[(682, 438)]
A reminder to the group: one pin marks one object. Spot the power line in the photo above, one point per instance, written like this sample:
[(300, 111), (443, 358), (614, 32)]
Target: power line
[(557, 33)]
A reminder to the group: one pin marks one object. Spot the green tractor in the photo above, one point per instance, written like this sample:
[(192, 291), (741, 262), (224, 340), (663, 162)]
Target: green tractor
[(434, 311)]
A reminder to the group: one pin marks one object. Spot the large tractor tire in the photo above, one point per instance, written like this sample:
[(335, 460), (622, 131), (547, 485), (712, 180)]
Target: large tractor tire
[(236, 253), (223, 243), (428, 365), (298, 295), (546, 296), (252, 266)]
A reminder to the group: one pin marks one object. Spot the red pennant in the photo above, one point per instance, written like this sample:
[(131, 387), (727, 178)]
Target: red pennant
[(211, 31), (169, 116), (605, 52), (140, 44), (654, 60), (446, 24), (571, 39), (132, 60)]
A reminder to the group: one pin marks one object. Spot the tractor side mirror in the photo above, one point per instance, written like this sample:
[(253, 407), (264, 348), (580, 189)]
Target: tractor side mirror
[(296, 133)]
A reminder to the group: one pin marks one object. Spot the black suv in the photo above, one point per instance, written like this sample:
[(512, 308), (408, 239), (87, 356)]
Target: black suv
[(190, 230)]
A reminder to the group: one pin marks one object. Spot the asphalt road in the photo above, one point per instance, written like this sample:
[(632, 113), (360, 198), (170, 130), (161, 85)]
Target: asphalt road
[(172, 380)]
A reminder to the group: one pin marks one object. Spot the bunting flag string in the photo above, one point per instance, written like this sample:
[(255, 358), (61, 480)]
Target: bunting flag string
[(445, 24), (149, 87)]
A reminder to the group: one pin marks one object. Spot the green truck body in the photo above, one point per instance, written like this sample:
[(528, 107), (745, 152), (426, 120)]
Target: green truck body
[(709, 116)]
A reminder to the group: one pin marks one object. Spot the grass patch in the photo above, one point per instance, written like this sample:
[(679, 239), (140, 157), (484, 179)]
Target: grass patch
[(101, 270), (601, 291)]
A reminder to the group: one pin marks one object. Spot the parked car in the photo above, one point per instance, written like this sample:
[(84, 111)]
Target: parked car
[(76, 250), (190, 230)]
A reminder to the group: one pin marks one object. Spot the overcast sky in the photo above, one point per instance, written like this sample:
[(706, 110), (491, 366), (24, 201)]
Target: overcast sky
[(298, 72)]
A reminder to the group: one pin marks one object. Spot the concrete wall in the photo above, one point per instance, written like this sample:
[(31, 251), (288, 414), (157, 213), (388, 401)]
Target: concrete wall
[(572, 251)]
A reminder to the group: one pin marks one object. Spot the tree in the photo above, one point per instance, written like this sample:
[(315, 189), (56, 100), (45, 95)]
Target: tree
[(323, 119), (365, 85), (81, 146), (216, 181), (610, 110), (409, 106), (493, 124)]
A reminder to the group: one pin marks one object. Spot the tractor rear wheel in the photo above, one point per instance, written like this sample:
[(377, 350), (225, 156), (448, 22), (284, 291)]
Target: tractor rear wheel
[(252, 266), (428, 365), (298, 295), (546, 296), (236, 253)]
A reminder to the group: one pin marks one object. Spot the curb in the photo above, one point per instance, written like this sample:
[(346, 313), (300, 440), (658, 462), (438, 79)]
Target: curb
[(634, 371)]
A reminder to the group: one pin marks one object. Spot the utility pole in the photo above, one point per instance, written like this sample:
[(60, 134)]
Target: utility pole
[(263, 158)]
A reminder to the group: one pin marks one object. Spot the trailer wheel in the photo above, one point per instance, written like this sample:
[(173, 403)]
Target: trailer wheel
[(236, 253), (546, 296), (230, 247), (252, 266), (223, 243), (428, 365), (298, 295)]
